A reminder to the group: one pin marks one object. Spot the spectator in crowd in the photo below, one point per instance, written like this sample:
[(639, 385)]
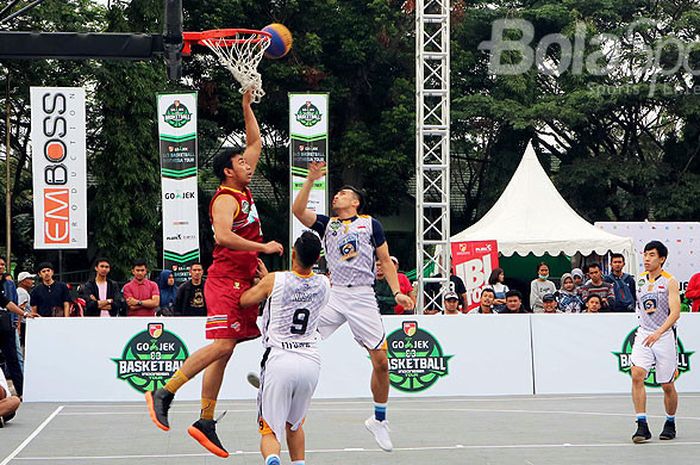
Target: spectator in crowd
[(624, 288), (488, 296), (10, 291), (190, 295), (693, 292), (539, 287), (569, 300), (8, 338), (549, 304), (514, 302), (8, 403), (496, 283), (451, 304), (101, 294), (593, 303), (405, 286), (168, 293), (50, 298), (25, 283), (141, 294), (597, 286), (579, 278), (382, 291), (432, 290)]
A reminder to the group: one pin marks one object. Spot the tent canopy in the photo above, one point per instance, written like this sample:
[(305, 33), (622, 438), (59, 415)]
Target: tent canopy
[(532, 217)]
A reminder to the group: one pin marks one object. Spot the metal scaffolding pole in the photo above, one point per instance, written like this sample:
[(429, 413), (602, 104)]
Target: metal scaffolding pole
[(432, 147)]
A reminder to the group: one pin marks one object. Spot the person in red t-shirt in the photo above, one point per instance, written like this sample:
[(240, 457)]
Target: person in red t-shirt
[(238, 237), (693, 292), (404, 285)]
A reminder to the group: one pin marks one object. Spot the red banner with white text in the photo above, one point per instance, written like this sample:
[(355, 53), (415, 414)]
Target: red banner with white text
[(473, 262)]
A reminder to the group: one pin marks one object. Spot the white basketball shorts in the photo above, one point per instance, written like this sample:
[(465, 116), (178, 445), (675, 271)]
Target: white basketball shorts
[(358, 306), (663, 355), (287, 383)]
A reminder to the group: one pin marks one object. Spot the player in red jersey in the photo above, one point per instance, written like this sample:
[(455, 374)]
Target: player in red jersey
[(238, 237)]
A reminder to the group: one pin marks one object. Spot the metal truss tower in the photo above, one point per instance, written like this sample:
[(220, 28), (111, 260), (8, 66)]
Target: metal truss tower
[(432, 147)]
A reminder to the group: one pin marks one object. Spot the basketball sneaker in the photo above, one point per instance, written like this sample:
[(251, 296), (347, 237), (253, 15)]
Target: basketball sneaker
[(643, 434), (380, 430), (669, 431), (204, 432), (158, 403)]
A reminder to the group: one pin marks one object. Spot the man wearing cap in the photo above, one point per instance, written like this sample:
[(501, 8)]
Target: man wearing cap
[(549, 303), (488, 295), (352, 243), (25, 283), (451, 304), (405, 287), (49, 297)]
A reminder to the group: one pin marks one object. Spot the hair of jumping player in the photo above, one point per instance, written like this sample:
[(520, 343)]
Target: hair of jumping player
[(223, 160)]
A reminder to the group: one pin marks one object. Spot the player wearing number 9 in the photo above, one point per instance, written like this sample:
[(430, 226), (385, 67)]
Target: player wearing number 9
[(291, 363)]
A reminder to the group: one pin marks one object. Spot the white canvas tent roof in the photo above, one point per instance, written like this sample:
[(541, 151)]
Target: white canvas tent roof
[(532, 217)]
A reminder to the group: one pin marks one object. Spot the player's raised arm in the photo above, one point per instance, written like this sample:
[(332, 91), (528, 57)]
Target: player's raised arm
[(252, 133), (307, 216), (226, 207), (259, 292)]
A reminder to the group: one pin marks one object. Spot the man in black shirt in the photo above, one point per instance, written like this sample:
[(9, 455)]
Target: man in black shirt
[(49, 297), (190, 295)]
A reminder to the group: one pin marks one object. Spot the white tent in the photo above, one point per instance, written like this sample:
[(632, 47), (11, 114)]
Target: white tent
[(531, 217)]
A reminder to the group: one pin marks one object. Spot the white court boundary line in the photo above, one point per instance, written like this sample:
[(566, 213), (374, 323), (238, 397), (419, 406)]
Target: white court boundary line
[(379, 451), (394, 409), (34, 434)]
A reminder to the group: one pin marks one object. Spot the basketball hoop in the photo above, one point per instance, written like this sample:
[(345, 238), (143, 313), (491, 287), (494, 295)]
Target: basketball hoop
[(239, 50)]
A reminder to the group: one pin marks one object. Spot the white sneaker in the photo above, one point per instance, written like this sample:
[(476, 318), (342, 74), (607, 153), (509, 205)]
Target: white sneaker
[(380, 430)]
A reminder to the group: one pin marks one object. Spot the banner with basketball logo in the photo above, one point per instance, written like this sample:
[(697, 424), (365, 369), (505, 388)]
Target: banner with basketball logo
[(59, 168), (308, 133), (177, 129), (473, 262)]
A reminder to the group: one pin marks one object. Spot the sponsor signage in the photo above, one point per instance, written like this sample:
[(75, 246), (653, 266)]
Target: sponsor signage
[(177, 128), (151, 358), (474, 261), (308, 130), (416, 359), (59, 167)]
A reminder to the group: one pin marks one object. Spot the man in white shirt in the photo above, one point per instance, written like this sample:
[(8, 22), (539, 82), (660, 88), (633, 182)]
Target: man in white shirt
[(8, 403)]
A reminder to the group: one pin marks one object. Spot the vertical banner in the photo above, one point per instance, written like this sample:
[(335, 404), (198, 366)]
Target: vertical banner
[(177, 129), (58, 167), (308, 132), (473, 262)]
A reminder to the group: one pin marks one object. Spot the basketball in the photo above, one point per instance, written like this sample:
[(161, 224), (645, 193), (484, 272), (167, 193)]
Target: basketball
[(281, 41)]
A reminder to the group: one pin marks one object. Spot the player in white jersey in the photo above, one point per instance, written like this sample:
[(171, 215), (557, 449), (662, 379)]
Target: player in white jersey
[(352, 243), (658, 309), (291, 364)]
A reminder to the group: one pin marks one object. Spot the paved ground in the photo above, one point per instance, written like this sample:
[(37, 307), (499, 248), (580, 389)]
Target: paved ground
[(523, 430)]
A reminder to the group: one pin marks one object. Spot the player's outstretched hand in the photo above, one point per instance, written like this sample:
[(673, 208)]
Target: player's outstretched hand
[(317, 170), (405, 301), (273, 247), (248, 97), (261, 272)]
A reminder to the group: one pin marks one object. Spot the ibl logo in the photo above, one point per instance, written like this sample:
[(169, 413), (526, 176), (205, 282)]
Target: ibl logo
[(56, 216)]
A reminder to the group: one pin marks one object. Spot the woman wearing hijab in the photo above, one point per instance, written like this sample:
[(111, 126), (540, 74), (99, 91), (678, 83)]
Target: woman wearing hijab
[(569, 300)]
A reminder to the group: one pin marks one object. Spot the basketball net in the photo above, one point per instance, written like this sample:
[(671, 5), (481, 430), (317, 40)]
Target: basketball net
[(241, 57)]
